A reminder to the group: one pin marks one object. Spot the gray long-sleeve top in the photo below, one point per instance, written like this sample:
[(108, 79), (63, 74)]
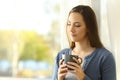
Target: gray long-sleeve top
[(99, 65)]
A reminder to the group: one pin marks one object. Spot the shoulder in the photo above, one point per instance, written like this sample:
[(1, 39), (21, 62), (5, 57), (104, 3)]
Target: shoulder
[(63, 51), (104, 54)]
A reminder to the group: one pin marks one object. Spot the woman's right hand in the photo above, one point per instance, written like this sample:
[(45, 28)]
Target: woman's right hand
[(62, 71)]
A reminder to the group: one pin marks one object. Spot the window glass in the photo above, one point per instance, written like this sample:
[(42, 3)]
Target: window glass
[(29, 38)]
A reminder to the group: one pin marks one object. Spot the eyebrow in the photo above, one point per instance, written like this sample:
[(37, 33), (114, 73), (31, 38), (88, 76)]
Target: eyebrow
[(77, 22), (74, 22)]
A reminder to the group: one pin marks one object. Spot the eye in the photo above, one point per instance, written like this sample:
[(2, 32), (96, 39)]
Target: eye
[(68, 24), (77, 25)]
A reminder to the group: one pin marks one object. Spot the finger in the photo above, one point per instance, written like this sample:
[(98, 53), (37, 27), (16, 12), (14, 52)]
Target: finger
[(63, 66), (61, 61), (73, 64), (76, 60), (63, 70), (62, 74), (71, 67), (73, 71)]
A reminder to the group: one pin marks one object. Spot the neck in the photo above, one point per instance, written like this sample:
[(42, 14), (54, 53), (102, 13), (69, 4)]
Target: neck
[(83, 48)]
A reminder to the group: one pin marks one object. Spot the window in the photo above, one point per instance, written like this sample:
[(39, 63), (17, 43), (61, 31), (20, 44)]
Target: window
[(28, 38)]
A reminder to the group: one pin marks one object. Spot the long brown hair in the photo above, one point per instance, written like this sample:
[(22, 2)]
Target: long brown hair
[(91, 23)]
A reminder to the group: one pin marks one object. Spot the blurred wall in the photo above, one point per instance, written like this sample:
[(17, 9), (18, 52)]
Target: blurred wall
[(113, 13)]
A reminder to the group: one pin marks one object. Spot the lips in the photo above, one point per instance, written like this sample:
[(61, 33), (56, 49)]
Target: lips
[(73, 35)]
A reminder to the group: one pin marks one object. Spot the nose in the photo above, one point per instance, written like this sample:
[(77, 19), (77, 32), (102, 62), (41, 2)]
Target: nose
[(72, 28)]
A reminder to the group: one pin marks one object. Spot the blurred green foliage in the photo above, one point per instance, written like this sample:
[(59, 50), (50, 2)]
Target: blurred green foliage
[(30, 45), (35, 47)]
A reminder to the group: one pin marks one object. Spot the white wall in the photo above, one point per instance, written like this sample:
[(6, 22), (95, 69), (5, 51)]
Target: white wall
[(114, 30)]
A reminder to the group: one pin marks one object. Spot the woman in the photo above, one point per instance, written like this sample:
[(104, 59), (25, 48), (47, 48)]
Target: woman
[(97, 62)]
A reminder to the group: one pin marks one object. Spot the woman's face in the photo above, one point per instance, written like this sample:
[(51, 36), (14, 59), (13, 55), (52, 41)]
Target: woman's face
[(76, 28)]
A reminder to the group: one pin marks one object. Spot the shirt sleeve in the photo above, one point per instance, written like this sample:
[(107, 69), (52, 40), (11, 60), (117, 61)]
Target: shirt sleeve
[(55, 71), (54, 77), (108, 68)]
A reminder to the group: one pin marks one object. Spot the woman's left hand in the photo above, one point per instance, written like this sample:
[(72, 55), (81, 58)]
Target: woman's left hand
[(76, 69)]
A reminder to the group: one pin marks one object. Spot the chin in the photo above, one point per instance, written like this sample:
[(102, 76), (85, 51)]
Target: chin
[(74, 40)]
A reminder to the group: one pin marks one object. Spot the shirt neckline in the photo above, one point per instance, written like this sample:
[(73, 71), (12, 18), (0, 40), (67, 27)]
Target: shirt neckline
[(88, 56)]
